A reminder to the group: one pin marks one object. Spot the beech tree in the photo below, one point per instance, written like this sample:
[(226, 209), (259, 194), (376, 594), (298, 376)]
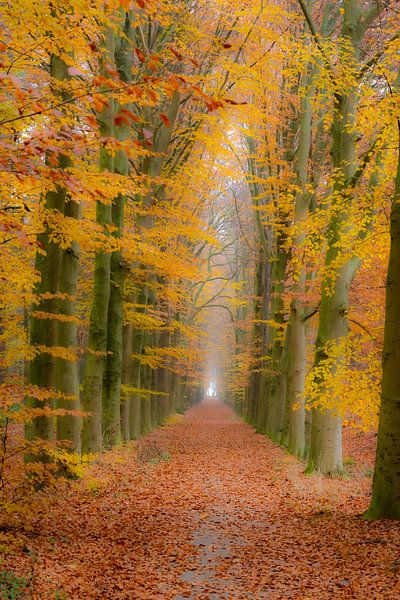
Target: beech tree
[(386, 483), (194, 201)]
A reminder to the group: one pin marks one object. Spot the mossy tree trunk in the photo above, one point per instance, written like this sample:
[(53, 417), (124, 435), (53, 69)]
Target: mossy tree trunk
[(135, 398), (92, 393), (297, 347), (113, 369), (252, 408), (385, 502), (67, 376), (326, 431), (274, 387), (48, 264), (126, 380)]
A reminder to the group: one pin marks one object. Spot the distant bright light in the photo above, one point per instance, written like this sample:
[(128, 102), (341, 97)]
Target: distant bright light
[(211, 389)]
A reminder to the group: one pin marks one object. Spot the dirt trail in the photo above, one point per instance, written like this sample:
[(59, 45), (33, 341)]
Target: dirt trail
[(212, 510)]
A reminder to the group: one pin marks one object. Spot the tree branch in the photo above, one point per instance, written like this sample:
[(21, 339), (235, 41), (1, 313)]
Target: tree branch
[(215, 306), (316, 37), (311, 314)]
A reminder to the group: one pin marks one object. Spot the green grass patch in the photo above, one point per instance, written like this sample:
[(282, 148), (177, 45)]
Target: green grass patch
[(13, 587)]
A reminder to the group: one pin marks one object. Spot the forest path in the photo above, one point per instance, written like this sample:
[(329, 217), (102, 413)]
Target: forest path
[(213, 511)]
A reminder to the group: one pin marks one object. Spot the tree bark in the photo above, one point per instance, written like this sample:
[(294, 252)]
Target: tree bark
[(43, 331), (67, 376), (326, 434), (113, 371), (297, 348), (92, 394), (385, 502)]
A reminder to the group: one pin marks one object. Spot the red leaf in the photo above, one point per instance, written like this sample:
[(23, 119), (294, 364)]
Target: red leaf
[(140, 55), (121, 120), (111, 71), (91, 120), (213, 104), (53, 160), (130, 114), (165, 120), (134, 90), (152, 95), (234, 102)]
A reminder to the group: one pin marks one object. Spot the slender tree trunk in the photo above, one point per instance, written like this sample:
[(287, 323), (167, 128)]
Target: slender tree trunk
[(113, 368), (146, 385), (174, 379), (162, 380), (254, 384), (92, 394), (43, 332), (145, 404), (135, 400), (274, 387), (126, 380), (67, 376), (264, 292), (156, 400), (278, 417), (179, 393), (297, 349)]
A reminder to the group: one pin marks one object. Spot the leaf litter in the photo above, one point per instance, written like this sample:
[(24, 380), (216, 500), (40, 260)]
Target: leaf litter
[(206, 508)]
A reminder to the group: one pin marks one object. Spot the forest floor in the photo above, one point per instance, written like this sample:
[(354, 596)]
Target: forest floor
[(206, 508)]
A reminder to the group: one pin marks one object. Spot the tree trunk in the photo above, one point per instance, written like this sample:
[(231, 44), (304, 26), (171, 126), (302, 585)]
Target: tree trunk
[(43, 331), (67, 376), (113, 371), (126, 380), (113, 368), (135, 400), (326, 435), (278, 421), (92, 394), (255, 378), (274, 383), (385, 502), (297, 348)]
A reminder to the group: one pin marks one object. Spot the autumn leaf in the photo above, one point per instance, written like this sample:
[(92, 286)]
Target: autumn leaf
[(165, 120), (140, 55), (176, 53)]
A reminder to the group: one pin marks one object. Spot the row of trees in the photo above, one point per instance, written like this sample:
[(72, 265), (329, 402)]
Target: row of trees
[(320, 158), (107, 234), (197, 194)]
